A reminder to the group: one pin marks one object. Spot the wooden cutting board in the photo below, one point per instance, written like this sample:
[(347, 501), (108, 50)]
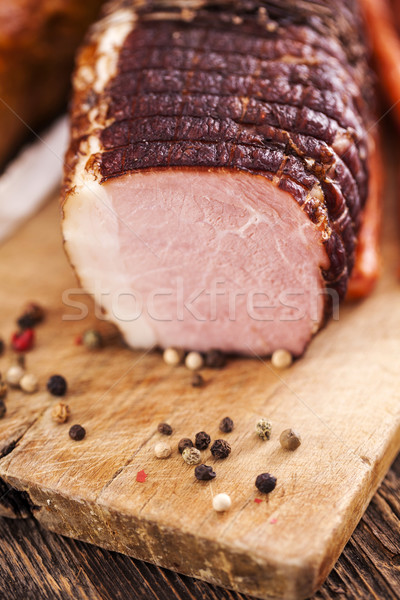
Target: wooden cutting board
[(343, 397)]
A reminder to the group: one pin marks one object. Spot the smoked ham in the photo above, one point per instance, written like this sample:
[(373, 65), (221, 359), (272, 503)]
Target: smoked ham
[(218, 169), (38, 40)]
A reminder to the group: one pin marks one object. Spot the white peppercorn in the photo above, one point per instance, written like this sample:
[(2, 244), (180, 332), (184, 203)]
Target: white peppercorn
[(14, 375), (263, 429), (29, 383), (191, 456), (221, 502), (281, 359), (173, 356), (162, 450), (194, 361)]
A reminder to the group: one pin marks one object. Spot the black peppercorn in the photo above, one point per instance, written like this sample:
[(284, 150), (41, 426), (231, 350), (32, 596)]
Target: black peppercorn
[(226, 425), (77, 433), (2, 408), (32, 316), (215, 359), (204, 473), (197, 380), (185, 443), (265, 483), (164, 428), (220, 449), (26, 322), (202, 440), (57, 385), (2, 347)]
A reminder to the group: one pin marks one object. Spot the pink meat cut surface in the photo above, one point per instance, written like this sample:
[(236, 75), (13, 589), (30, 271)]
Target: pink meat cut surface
[(219, 168), (218, 259)]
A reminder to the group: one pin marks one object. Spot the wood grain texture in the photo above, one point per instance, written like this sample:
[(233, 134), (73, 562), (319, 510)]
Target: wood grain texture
[(343, 396), (35, 563)]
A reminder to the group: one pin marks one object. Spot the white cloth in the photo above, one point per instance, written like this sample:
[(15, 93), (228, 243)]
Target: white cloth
[(31, 177)]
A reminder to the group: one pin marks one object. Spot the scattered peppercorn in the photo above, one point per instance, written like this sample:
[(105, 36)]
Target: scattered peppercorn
[(215, 359), (3, 408), (22, 341), (56, 385), (29, 383), (14, 375), (220, 449), (2, 346), (281, 359), (60, 413), (221, 502), (3, 389), (77, 433), (191, 456), (202, 440), (265, 483), (194, 361), (263, 429), (184, 443), (226, 425), (35, 311), (92, 339), (197, 380), (26, 322), (173, 356), (290, 440), (164, 428), (204, 473), (162, 450), (33, 315)]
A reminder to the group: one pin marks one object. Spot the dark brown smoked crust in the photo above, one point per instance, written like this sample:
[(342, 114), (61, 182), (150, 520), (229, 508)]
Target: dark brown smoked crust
[(284, 93)]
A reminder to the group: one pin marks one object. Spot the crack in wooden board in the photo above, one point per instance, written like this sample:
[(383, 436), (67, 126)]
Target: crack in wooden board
[(343, 396)]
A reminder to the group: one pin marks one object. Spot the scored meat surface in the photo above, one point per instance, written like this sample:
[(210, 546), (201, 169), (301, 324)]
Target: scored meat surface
[(218, 169)]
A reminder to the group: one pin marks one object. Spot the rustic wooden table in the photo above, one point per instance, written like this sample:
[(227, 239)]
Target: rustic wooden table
[(38, 565)]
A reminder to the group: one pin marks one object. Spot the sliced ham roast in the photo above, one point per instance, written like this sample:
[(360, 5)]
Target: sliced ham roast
[(218, 169)]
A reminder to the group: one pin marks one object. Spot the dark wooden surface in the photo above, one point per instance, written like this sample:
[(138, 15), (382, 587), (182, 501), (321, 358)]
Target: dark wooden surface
[(38, 565)]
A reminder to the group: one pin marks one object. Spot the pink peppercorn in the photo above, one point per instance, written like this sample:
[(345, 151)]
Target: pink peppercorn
[(22, 341)]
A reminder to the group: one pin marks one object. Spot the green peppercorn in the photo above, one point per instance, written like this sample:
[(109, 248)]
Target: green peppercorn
[(191, 456), (92, 339), (263, 429)]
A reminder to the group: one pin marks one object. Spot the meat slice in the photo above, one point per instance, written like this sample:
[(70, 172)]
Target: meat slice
[(218, 169)]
